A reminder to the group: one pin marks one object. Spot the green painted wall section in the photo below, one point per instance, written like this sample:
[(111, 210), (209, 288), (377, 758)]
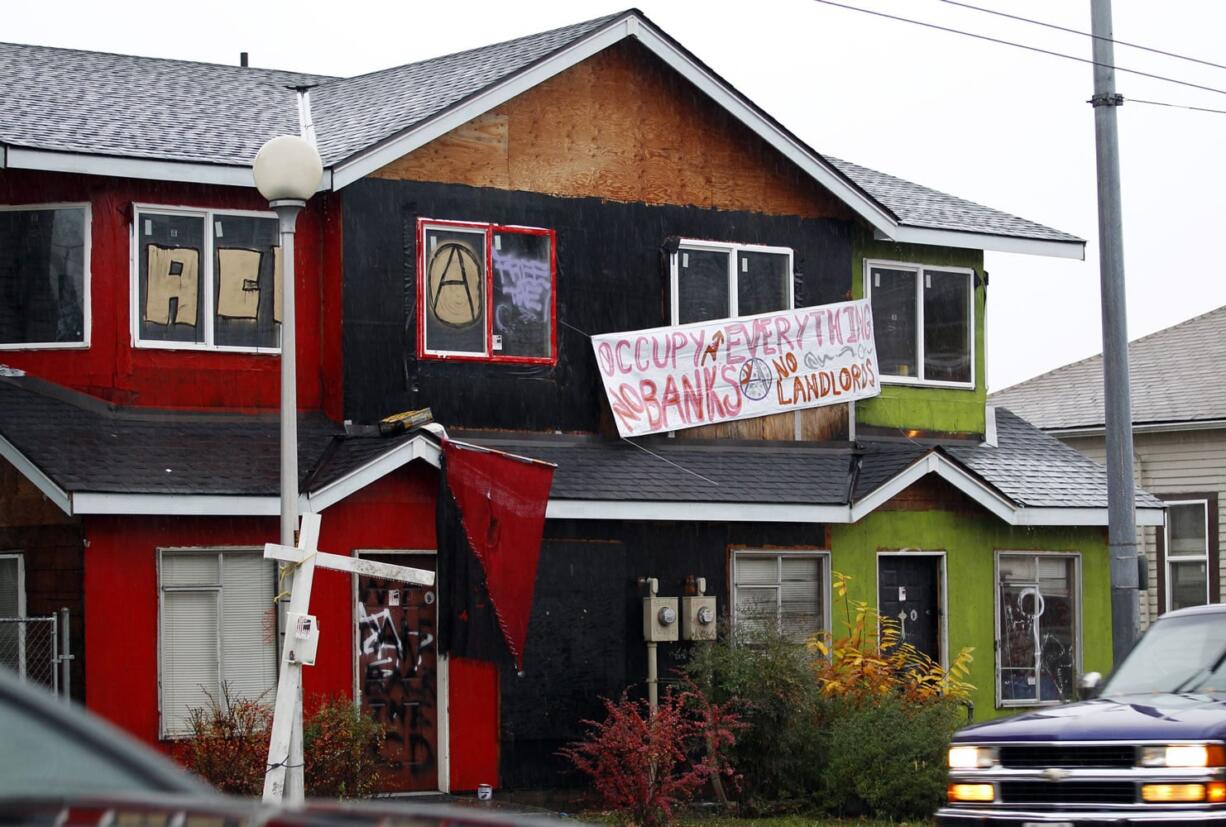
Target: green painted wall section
[(970, 543), (905, 406)]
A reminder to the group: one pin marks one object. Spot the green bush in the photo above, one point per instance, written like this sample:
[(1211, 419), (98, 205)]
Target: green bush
[(887, 757), (341, 746), (770, 681)]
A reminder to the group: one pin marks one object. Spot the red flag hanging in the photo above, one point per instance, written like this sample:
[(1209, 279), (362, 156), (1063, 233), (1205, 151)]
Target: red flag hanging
[(502, 501)]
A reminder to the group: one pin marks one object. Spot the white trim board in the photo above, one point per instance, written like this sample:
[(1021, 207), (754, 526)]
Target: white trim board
[(191, 172)]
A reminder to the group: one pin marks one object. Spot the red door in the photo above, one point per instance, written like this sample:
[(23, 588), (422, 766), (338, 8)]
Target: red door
[(398, 672)]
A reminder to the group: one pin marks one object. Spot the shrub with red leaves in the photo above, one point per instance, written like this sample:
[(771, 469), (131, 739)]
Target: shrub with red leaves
[(644, 765), (229, 744)]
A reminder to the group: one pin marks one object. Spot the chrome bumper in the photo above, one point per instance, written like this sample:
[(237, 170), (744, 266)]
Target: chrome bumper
[(999, 817)]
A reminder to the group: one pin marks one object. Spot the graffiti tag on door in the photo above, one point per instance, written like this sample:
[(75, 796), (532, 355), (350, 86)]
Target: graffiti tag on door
[(398, 675)]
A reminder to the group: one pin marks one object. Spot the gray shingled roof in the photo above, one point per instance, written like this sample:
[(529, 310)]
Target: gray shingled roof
[(138, 107), (1175, 378), (1036, 470), (591, 469), (355, 113), (135, 107), (86, 445), (918, 206)]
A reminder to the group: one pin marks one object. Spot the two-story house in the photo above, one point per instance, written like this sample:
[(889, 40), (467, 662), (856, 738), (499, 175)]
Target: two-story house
[(482, 215), (1179, 447)]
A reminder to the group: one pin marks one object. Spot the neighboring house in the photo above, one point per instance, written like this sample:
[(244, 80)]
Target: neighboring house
[(593, 179), (1179, 447)]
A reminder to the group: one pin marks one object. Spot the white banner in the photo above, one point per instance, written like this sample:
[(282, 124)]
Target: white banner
[(670, 378)]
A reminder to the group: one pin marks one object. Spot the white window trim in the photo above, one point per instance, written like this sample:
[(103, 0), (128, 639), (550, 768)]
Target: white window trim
[(1186, 558), (206, 284), (86, 277), (21, 607), (822, 555), (163, 731), (732, 249), (1079, 595), (472, 228), (920, 270), (942, 593)]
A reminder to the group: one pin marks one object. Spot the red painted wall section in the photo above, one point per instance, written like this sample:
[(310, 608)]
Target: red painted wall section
[(112, 368), (121, 609), (121, 606), (475, 725)]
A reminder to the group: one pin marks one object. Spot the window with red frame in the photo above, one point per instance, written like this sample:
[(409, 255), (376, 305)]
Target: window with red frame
[(486, 291)]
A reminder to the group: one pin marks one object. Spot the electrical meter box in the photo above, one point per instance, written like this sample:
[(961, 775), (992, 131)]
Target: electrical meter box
[(303, 631), (660, 621), (698, 618)]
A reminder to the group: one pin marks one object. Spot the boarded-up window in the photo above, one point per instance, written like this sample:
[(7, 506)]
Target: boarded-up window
[(217, 627), (780, 591), (207, 279), (487, 292), (43, 258), (1039, 603)]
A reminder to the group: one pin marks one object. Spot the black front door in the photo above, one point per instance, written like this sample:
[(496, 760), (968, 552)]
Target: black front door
[(908, 592)]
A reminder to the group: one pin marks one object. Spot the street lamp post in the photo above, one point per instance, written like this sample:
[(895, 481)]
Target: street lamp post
[(287, 171)]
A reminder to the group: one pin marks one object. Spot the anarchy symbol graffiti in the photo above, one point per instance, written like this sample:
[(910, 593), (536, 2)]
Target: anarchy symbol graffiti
[(456, 285), (756, 379)]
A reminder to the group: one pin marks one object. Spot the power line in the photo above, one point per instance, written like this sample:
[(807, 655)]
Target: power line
[(1002, 42), (1177, 106), (1045, 24)]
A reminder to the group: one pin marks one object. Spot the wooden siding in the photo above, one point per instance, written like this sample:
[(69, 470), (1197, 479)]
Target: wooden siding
[(812, 424), (1187, 462), (621, 126), (52, 548)]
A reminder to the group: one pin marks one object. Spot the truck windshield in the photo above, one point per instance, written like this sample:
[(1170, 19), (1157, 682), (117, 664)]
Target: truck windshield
[(1178, 654)]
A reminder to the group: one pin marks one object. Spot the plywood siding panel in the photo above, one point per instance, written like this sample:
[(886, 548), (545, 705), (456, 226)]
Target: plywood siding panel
[(1190, 462), (623, 126), (828, 423)]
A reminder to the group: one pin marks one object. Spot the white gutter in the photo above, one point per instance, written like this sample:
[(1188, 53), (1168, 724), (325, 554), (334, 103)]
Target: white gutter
[(227, 175)]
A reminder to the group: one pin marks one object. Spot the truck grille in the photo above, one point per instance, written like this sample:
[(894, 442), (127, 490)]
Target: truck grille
[(1068, 792), (1058, 755)]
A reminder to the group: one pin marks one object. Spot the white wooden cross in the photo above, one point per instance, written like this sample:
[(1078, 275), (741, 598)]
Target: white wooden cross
[(283, 780)]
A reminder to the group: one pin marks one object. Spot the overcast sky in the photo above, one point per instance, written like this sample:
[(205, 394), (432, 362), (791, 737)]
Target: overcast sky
[(1003, 127)]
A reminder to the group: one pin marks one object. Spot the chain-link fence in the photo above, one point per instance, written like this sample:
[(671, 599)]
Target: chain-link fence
[(30, 647)]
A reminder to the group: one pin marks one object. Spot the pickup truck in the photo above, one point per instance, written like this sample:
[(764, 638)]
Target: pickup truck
[(1149, 748)]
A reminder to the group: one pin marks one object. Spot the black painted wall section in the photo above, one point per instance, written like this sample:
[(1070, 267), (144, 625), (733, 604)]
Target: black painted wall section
[(585, 638), (612, 275)]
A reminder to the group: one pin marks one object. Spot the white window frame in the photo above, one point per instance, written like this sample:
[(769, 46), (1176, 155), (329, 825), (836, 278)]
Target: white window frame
[(732, 249), (207, 256), (827, 592), (1186, 558), (164, 733), (1078, 635), (86, 276), (921, 270), (21, 607)]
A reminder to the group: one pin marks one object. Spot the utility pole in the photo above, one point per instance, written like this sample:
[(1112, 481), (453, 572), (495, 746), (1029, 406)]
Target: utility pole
[(1117, 398)]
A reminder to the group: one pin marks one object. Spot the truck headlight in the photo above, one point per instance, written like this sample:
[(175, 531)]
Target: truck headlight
[(983, 793), (963, 757), (1183, 755)]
